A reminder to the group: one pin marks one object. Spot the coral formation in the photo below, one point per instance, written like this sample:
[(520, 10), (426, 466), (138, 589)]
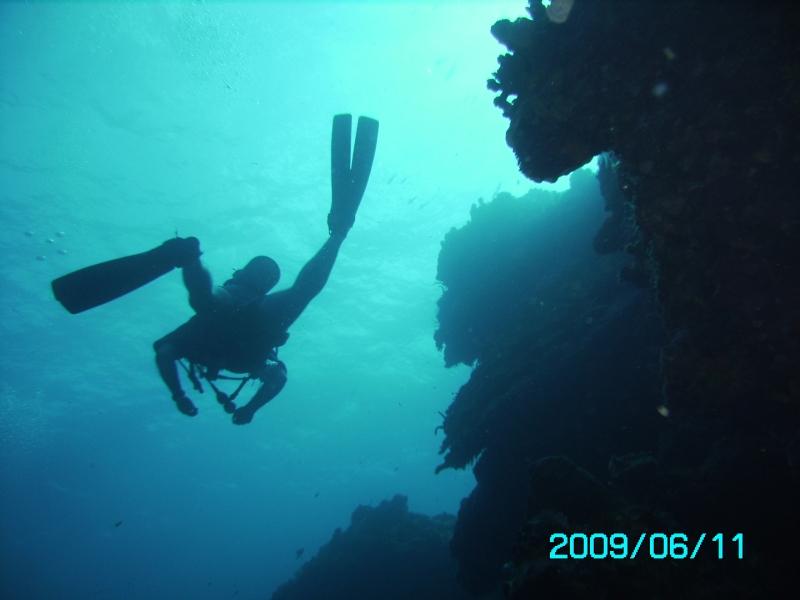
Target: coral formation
[(566, 358), (698, 105), (705, 129), (387, 552)]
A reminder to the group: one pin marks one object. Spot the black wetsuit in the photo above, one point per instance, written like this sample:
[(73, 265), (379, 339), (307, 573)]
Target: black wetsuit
[(233, 334), (238, 329)]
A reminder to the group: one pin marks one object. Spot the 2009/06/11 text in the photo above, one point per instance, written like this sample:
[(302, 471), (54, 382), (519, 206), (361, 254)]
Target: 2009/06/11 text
[(658, 546)]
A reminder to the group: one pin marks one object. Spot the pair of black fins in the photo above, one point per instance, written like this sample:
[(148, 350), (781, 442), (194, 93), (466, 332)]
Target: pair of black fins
[(97, 284)]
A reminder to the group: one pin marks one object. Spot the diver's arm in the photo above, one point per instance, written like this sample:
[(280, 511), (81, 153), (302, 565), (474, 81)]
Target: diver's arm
[(288, 305), (273, 378)]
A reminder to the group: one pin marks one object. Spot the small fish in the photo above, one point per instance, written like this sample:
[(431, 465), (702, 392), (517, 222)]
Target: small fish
[(391, 178), (118, 523), (316, 495), (298, 553)]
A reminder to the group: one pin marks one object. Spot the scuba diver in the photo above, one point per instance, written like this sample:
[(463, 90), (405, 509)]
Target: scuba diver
[(239, 326)]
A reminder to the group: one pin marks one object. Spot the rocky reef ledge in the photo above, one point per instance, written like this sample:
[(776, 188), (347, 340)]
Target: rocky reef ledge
[(388, 553)]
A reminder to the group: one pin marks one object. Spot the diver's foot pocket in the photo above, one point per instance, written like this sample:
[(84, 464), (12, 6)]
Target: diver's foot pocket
[(185, 405)]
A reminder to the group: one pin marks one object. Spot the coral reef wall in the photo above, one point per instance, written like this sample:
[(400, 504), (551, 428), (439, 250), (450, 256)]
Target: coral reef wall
[(698, 104), (566, 358)]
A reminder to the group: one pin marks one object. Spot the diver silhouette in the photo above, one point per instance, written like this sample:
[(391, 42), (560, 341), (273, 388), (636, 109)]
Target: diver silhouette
[(239, 326)]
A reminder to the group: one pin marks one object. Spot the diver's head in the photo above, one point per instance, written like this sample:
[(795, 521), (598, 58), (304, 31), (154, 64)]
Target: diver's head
[(260, 275)]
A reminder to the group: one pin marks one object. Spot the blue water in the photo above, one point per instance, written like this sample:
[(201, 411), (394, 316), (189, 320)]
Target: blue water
[(124, 123)]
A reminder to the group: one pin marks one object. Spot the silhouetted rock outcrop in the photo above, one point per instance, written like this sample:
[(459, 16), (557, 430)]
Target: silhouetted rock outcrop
[(698, 104), (566, 358), (387, 553)]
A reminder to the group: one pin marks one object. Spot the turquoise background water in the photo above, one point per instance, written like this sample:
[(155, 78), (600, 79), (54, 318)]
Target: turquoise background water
[(124, 123)]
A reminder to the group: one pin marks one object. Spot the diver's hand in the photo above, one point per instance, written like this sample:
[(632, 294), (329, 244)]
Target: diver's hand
[(182, 251), (243, 415), (185, 405)]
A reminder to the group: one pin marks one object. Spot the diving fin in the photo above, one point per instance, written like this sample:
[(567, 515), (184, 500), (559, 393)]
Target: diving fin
[(340, 162), (363, 156), (95, 285), (348, 182)]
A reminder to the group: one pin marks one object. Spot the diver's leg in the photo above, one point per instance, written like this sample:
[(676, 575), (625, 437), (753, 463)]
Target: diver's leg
[(287, 305), (166, 358), (198, 282), (273, 378), (314, 274)]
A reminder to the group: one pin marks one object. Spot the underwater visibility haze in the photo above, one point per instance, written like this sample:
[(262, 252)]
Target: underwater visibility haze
[(123, 124), (513, 287)]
